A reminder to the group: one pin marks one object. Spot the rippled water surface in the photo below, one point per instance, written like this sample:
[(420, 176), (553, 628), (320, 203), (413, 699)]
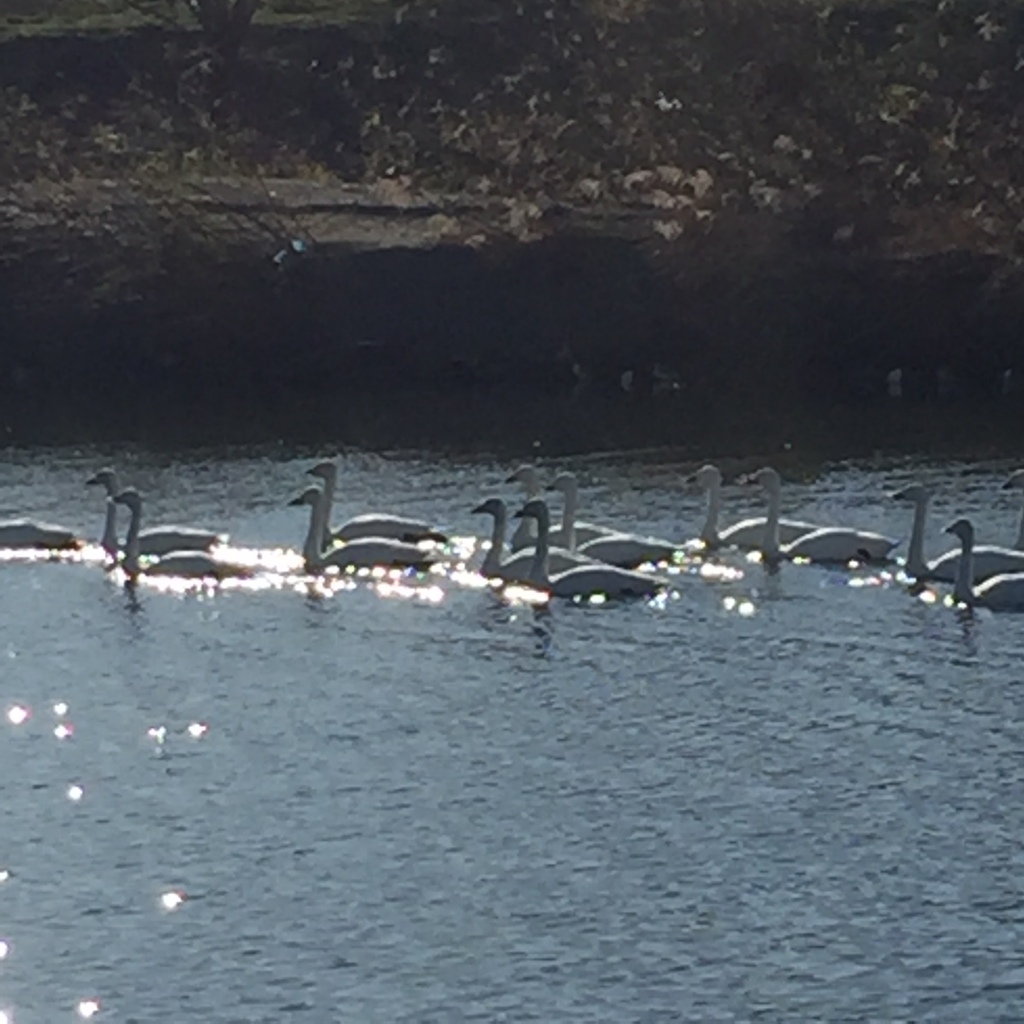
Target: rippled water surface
[(430, 805)]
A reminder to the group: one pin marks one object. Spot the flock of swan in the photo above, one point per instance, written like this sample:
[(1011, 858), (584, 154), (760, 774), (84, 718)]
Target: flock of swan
[(573, 559)]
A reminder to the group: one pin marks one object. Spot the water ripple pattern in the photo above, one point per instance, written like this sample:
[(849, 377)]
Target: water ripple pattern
[(356, 803)]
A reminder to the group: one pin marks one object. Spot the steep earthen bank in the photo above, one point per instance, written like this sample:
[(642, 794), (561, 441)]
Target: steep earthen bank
[(729, 203)]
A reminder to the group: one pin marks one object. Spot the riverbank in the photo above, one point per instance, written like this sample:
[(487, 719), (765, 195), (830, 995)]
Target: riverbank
[(733, 205)]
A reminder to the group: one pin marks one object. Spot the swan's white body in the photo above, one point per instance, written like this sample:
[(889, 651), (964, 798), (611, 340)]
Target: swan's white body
[(1004, 592), (585, 581), (747, 533), (517, 568), (987, 559), (826, 544), (612, 547), (155, 541), (365, 553), (187, 564), (369, 524), (525, 534), (29, 535)]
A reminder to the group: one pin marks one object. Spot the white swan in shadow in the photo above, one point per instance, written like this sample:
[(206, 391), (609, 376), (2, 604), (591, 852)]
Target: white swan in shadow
[(186, 564), (987, 559), (1016, 481), (526, 532), (573, 532), (517, 568), (364, 553), (1004, 592), (369, 524), (747, 533), (584, 581), (624, 550), (155, 541), (826, 544), (28, 535)]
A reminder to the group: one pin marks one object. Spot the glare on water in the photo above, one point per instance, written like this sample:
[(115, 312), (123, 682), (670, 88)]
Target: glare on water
[(782, 793)]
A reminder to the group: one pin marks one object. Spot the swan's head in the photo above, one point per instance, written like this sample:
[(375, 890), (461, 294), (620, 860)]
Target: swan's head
[(1016, 480), (491, 507), (105, 478), (962, 529), (917, 493), (768, 478), (527, 476), (564, 482), (310, 496), (131, 498), (535, 509), (325, 470), (706, 478)]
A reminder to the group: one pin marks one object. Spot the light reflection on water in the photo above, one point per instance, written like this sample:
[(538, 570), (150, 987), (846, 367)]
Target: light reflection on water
[(793, 795)]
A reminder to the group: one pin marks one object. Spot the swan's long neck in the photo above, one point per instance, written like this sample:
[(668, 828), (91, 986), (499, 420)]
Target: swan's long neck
[(312, 550), (327, 503), (572, 497), (539, 569), (709, 531), (492, 562), (963, 589), (770, 548), (916, 565), (131, 544), (109, 539), (1020, 532)]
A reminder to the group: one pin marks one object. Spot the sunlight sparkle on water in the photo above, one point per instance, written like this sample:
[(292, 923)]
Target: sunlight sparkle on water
[(157, 732), (197, 729), (172, 900), (63, 732), (4, 1018), (60, 709), (4, 875), (75, 793), (88, 1008), (18, 715), (5, 948)]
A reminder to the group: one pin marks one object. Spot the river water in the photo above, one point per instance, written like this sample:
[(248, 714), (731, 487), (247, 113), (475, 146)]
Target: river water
[(789, 797)]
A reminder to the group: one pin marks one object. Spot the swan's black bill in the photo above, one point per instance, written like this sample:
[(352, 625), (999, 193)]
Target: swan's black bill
[(479, 509), (300, 500)]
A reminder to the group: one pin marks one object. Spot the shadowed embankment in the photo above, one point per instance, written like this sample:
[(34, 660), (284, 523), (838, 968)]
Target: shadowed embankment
[(617, 222)]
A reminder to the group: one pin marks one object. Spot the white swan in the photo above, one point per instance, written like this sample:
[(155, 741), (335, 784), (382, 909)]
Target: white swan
[(365, 553), (188, 564), (748, 533), (987, 559), (624, 550), (517, 568), (1004, 592), (25, 534), (573, 532), (826, 544), (526, 532), (369, 524), (1016, 480), (157, 540), (585, 581)]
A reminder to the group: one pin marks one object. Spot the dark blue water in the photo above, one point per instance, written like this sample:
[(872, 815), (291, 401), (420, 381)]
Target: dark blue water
[(429, 805)]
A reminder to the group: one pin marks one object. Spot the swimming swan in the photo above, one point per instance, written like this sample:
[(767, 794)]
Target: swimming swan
[(826, 544), (611, 547), (1004, 592), (526, 532), (157, 540), (365, 553), (587, 580), (369, 524), (747, 533), (24, 534), (517, 568), (987, 559), (188, 564)]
